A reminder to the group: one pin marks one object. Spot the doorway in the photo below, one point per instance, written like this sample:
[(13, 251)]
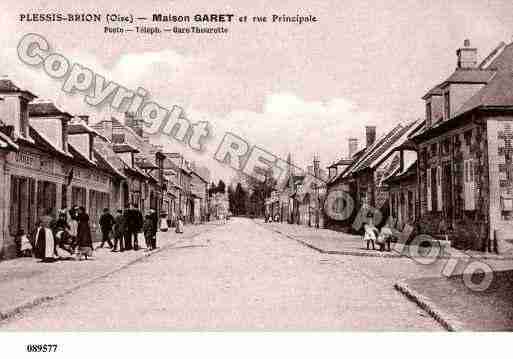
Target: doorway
[(448, 210)]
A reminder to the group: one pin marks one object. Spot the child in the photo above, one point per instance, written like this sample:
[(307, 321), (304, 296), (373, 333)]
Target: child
[(26, 246), (369, 235), (384, 238), (179, 224)]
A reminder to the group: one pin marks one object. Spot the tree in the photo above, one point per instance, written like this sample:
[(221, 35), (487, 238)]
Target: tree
[(221, 187), (239, 199), (260, 190), (231, 194), (213, 189)]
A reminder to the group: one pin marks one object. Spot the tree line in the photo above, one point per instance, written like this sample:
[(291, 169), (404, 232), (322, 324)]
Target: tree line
[(247, 194)]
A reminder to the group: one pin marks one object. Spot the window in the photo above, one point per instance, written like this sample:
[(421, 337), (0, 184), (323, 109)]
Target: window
[(428, 114), (64, 196), (446, 147), (423, 156), (23, 204), (439, 188), (468, 137), (456, 142), (64, 133), (24, 118), (429, 198), (447, 106), (434, 188), (46, 198), (434, 149), (78, 196), (470, 176), (411, 214)]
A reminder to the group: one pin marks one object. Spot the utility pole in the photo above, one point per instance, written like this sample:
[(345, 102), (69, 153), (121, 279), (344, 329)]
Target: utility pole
[(159, 158)]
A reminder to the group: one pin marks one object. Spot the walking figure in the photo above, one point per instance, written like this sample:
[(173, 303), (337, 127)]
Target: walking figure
[(84, 237), (106, 224), (119, 231), (150, 230)]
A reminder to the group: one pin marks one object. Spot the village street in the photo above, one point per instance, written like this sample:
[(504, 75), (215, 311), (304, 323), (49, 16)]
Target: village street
[(242, 275)]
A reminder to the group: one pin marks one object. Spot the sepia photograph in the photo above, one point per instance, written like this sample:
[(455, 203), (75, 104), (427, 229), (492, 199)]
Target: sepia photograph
[(302, 168)]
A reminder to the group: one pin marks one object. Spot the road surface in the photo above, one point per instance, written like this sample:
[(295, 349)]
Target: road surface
[(239, 276)]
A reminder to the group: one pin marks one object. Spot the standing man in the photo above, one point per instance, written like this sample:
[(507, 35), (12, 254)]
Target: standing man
[(134, 223), (106, 223), (119, 230), (150, 230), (128, 217), (138, 225)]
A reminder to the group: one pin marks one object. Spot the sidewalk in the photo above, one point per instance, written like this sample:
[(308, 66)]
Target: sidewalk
[(445, 298), (26, 282), (328, 241), (458, 308)]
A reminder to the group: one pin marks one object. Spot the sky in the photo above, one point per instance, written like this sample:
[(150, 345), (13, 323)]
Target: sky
[(288, 88)]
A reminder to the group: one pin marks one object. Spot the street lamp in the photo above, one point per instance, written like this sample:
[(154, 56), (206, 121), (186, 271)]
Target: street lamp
[(316, 188)]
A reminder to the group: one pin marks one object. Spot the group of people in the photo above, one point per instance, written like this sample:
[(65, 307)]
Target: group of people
[(372, 236), (69, 235)]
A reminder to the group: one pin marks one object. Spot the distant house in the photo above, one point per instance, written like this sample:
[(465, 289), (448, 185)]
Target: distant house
[(199, 193), (402, 184), (465, 165), (364, 178), (47, 165)]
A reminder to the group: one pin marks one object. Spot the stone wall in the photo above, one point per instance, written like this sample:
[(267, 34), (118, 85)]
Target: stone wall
[(500, 162), (466, 228)]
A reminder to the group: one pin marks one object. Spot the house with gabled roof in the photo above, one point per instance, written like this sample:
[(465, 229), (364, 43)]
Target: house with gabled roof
[(45, 170), (402, 184), (465, 164), (138, 161), (364, 178)]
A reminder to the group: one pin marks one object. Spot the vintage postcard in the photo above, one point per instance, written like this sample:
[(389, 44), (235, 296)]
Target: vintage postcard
[(255, 166)]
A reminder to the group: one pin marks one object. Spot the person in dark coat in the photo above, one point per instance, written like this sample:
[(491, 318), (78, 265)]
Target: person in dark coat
[(134, 224), (119, 230), (150, 230), (84, 237), (61, 231), (106, 224)]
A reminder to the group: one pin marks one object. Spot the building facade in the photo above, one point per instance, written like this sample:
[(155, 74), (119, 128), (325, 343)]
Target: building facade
[(465, 168)]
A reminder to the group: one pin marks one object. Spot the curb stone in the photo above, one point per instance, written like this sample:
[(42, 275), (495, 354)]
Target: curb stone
[(34, 302), (323, 251), (386, 254), (445, 320)]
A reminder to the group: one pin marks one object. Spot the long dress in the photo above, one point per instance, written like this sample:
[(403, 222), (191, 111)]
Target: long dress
[(84, 238), (179, 226), (45, 245)]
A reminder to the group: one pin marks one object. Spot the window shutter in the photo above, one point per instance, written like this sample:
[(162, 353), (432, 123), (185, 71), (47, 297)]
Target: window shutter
[(473, 185), (439, 188), (470, 185), (428, 185)]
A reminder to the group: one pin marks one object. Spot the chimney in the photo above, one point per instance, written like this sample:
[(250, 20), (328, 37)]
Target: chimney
[(84, 119), (467, 56), (134, 123), (316, 166), (370, 135), (353, 146)]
